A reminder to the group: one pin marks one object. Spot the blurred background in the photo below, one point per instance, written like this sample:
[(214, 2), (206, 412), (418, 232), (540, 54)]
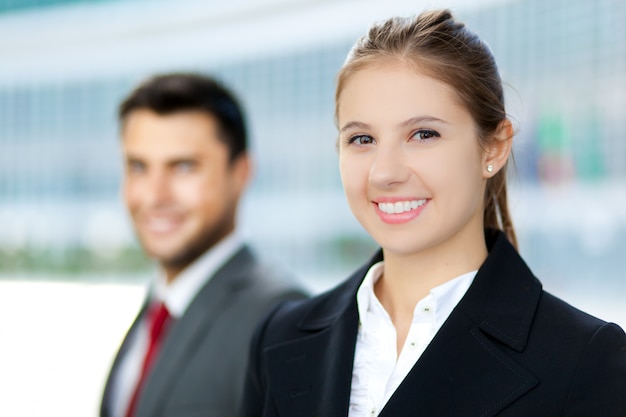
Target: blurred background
[(71, 274)]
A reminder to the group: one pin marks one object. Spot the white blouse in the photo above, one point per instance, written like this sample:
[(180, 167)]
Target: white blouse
[(378, 370)]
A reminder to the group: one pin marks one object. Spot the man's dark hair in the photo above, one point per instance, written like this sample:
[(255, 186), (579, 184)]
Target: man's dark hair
[(170, 93)]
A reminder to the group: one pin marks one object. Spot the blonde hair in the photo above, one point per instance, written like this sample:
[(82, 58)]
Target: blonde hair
[(436, 44)]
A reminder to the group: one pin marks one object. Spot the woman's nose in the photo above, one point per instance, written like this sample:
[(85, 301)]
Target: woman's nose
[(388, 167)]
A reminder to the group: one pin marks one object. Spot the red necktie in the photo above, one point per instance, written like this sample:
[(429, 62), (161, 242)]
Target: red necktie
[(157, 320)]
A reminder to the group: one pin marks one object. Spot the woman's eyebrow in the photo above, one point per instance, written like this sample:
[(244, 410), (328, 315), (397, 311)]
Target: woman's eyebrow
[(355, 124), (421, 119), (409, 122)]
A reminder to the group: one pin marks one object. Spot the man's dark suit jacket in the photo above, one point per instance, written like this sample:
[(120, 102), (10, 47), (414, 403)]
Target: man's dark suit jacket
[(201, 365), (508, 349)]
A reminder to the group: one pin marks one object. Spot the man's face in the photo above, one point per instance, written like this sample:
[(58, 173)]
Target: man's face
[(180, 187)]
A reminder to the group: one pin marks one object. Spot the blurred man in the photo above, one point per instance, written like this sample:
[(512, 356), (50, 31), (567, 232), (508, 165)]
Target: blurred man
[(186, 167)]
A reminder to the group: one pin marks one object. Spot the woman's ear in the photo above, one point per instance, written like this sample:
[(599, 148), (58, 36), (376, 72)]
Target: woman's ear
[(498, 150)]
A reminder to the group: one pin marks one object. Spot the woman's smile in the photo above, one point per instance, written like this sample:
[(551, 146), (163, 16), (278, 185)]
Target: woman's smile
[(400, 211)]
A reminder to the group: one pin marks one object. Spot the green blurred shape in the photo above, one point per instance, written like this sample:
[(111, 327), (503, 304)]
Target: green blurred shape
[(590, 164), (551, 134), (580, 141)]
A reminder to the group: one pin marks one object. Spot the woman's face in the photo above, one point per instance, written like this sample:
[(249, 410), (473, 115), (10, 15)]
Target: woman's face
[(410, 161)]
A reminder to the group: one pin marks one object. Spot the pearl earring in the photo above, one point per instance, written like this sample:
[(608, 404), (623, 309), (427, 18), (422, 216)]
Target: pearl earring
[(489, 168)]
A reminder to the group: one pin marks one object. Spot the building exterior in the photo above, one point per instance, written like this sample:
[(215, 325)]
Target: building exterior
[(65, 65)]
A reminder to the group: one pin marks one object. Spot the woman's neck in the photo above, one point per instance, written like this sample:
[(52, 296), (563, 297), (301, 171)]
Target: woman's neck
[(409, 278)]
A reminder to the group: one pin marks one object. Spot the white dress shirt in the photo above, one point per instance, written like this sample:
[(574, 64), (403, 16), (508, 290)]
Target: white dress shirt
[(378, 370), (177, 296)]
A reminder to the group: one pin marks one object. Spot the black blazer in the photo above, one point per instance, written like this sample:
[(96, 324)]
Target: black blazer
[(508, 349)]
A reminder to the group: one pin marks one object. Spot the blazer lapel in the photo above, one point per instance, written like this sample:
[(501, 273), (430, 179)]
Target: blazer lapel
[(303, 388), (106, 406), (468, 369), (185, 334), (311, 376), (466, 376)]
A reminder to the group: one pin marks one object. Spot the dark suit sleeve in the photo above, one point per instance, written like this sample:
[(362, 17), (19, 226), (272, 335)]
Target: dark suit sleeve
[(254, 389), (599, 384)]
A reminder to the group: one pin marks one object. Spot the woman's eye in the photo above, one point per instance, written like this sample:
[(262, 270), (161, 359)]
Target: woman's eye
[(426, 134), (362, 140)]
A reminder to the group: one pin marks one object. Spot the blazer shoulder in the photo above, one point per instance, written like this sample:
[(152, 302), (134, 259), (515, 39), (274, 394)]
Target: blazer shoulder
[(591, 354), (298, 318), (271, 280), (255, 281), (295, 319), (597, 387), (561, 313), (263, 286)]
